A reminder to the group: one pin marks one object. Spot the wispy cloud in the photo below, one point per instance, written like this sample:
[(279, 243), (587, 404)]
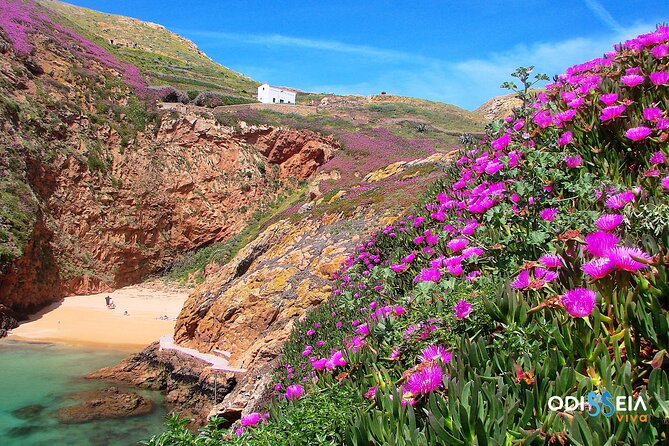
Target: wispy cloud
[(274, 40), (604, 15), (467, 83)]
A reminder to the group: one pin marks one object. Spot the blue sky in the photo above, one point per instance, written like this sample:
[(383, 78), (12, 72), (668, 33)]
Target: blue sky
[(457, 52)]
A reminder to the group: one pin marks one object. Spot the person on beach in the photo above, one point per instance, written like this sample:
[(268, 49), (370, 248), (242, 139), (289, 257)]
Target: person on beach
[(111, 305), (107, 299)]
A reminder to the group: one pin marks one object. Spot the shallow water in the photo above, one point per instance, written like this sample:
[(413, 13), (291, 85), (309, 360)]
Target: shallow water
[(35, 381)]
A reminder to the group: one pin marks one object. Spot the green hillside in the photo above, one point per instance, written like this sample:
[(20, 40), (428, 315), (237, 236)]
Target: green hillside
[(167, 58)]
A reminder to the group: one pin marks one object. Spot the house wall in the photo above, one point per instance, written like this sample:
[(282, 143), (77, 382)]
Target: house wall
[(272, 95)]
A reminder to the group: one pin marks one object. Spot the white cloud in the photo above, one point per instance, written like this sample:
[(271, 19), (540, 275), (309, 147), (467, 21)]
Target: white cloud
[(467, 83), (273, 40), (604, 15)]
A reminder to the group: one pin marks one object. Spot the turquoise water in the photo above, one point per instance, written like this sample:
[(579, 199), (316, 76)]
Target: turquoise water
[(39, 377)]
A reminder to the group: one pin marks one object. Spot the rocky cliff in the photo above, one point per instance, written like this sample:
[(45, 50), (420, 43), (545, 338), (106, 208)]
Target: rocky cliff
[(99, 188), (248, 306)]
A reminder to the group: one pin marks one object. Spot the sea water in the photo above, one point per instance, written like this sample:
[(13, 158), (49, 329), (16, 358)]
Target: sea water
[(36, 379)]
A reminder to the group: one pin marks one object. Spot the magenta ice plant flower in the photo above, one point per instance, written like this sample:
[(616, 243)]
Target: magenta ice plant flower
[(657, 158), (294, 392), (618, 201), (600, 243), (573, 161), (609, 98), (565, 138), (462, 309), (551, 260), (457, 244), (652, 113), (579, 302), (659, 77), (627, 259), (522, 281), (253, 418), (665, 182), (611, 112), (632, 80), (424, 381), (435, 353), (609, 222), (428, 275), (548, 214), (638, 133), (598, 268)]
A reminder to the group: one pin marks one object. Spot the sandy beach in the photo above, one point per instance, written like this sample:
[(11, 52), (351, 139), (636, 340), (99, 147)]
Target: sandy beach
[(143, 313)]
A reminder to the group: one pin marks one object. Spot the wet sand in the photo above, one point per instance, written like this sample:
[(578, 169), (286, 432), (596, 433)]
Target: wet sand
[(142, 315)]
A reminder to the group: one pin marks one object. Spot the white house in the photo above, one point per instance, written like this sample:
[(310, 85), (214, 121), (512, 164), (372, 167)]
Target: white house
[(274, 95)]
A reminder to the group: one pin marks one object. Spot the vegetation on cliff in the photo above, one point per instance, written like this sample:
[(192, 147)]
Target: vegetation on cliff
[(537, 269)]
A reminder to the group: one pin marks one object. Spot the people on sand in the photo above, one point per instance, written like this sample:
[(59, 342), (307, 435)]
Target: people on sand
[(110, 303), (107, 299)]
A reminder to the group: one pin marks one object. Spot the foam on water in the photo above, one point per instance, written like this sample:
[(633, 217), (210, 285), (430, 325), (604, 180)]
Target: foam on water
[(37, 379)]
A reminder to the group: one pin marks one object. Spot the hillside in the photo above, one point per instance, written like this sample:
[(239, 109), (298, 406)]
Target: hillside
[(534, 270), (166, 58), (99, 188)]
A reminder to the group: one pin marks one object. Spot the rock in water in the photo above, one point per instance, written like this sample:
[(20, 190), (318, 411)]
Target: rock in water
[(105, 404), (29, 412)]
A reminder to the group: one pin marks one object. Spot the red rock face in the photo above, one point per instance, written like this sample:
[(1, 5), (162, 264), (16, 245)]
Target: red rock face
[(106, 210), (182, 188)]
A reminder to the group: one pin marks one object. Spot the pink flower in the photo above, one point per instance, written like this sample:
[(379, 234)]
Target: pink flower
[(573, 161), (657, 158), (600, 243), (431, 239), (609, 99), (355, 344), (659, 77), (457, 244), (618, 201), (462, 309), (579, 302), (543, 275), (638, 133), (294, 392), (627, 259), (662, 124), (609, 222), (471, 252), (543, 119), (253, 418), (371, 391), (665, 182), (565, 138), (472, 276), (598, 268), (337, 359), (659, 51), (409, 258), (363, 329), (424, 381), (551, 260), (632, 80), (435, 353), (522, 281), (501, 142), (428, 275), (652, 113), (399, 267), (576, 103), (548, 214), (318, 364), (612, 112)]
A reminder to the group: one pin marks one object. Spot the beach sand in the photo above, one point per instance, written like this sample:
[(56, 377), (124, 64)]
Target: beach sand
[(86, 321)]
